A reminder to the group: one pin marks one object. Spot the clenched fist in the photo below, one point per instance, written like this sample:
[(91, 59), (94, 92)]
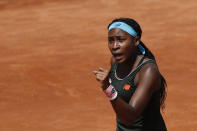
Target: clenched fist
[(102, 76)]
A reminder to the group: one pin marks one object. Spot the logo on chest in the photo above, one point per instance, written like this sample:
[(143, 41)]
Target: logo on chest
[(126, 87)]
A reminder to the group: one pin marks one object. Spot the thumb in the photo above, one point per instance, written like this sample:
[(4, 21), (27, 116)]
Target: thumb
[(95, 72)]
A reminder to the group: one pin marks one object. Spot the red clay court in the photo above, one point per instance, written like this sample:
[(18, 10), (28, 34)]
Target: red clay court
[(49, 48)]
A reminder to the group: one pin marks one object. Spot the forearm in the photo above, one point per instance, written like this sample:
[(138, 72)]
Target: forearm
[(125, 112)]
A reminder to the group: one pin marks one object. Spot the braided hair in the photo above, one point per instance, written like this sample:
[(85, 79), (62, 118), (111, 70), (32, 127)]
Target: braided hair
[(148, 54)]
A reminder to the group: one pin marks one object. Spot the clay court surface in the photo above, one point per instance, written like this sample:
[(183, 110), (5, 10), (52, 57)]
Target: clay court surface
[(49, 48)]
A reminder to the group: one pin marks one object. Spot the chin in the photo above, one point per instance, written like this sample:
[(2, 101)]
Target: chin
[(119, 61)]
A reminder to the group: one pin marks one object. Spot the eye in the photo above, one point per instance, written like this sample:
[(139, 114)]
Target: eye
[(121, 40), (110, 39)]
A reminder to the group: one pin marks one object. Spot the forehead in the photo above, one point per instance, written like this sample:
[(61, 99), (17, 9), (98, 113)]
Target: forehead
[(117, 32)]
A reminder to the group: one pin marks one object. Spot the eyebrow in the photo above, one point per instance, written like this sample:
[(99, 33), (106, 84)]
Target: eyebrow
[(117, 37)]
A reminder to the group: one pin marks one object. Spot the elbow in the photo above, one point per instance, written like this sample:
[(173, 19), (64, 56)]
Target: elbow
[(128, 122), (130, 118)]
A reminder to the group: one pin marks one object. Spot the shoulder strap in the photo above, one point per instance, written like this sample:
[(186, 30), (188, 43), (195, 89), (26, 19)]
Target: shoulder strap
[(141, 65), (132, 74), (141, 61)]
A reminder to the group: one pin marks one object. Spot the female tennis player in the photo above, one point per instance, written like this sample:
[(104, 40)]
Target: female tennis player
[(134, 85)]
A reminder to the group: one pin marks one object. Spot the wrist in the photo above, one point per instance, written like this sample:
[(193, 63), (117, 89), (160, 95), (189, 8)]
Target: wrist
[(111, 92), (105, 84)]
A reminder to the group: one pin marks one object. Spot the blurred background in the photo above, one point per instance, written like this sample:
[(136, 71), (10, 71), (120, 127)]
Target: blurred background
[(49, 48)]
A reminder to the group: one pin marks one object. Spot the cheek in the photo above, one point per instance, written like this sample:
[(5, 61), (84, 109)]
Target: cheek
[(129, 50), (109, 46)]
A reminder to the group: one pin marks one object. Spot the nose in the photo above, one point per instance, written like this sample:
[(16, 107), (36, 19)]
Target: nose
[(116, 45)]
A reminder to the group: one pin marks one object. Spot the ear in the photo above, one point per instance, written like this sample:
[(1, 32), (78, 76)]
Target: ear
[(137, 42)]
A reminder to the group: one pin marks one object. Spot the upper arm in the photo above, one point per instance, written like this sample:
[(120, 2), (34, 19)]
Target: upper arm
[(149, 80)]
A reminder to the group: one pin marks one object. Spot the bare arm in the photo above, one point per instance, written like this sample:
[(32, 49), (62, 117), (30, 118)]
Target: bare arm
[(148, 83)]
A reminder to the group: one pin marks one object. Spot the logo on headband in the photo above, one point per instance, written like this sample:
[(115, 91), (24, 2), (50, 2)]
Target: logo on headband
[(118, 24)]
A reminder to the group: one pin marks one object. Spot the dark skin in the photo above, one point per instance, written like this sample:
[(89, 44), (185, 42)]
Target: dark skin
[(124, 50)]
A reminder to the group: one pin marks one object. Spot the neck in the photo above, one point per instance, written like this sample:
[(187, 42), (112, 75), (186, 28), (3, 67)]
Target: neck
[(126, 67), (128, 63)]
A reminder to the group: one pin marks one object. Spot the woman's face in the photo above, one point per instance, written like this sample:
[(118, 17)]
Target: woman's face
[(121, 44)]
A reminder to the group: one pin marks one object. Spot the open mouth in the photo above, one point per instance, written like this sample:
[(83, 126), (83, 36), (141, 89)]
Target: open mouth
[(117, 56)]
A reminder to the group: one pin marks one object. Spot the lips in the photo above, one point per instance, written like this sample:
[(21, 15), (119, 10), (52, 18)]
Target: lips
[(117, 55)]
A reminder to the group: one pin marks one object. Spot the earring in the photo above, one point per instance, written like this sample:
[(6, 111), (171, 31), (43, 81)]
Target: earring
[(141, 48)]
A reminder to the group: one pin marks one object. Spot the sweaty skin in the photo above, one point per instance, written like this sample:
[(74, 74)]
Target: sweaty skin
[(124, 50)]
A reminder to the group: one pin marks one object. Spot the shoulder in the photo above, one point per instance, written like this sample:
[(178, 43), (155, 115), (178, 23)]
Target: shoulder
[(149, 75), (149, 67)]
